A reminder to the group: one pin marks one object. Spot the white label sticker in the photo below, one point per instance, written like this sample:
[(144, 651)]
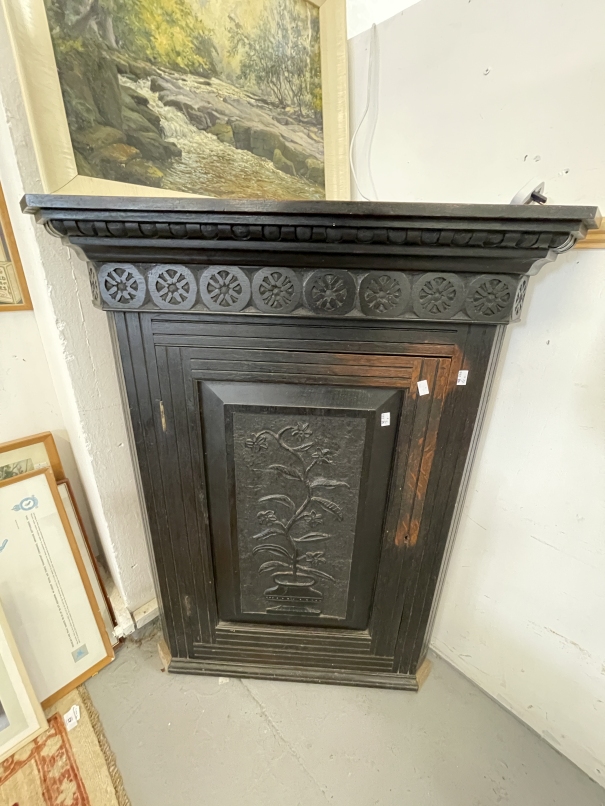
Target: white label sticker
[(423, 388), (462, 377), (72, 717), (385, 418)]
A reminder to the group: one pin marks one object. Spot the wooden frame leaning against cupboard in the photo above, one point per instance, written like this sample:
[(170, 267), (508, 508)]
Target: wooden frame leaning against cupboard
[(14, 295), (30, 34)]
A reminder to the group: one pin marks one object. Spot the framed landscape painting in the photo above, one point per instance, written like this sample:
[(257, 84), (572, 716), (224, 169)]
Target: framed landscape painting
[(219, 98)]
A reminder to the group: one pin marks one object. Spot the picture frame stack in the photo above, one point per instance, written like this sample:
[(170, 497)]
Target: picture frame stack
[(56, 622)]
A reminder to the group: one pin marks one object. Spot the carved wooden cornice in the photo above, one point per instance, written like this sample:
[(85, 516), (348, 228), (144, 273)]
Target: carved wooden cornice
[(378, 260)]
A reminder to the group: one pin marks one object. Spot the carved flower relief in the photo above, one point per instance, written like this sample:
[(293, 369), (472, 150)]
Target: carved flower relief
[(121, 285), (384, 294), (94, 285), (312, 517), (225, 288), (302, 431), (276, 290), (314, 558), (490, 297), (172, 287), (257, 443), (323, 456), (520, 297), (330, 292), (267, 516), (438, 296)]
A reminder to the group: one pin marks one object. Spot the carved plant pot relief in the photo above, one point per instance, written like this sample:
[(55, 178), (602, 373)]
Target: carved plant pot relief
[(295, 539)]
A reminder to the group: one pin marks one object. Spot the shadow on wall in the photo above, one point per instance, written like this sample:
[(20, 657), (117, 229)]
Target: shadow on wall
[(512, 611)]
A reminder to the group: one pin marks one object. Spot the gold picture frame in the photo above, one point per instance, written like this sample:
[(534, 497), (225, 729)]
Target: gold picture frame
[(33, 48), (90, 561), (63, 640), (21, 456), (21, 715), (14, 294)]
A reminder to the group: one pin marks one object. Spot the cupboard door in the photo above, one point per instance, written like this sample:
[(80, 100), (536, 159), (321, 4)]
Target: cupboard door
[(297, 478)]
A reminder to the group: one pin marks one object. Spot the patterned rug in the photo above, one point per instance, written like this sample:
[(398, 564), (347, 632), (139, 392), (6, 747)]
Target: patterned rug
[(64, 768)]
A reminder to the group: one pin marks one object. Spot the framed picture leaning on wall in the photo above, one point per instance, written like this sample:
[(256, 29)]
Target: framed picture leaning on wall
[(219, 98), (35, 453), (14, 295), (59, 631), (30, 453), (21, 716)]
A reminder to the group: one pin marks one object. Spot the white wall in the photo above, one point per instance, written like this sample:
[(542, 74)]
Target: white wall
[(28, 401), (77, 347), (362, 14), (475, 99)]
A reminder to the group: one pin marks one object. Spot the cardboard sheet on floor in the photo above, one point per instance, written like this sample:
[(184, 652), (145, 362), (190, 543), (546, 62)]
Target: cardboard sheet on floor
[(44, 588)]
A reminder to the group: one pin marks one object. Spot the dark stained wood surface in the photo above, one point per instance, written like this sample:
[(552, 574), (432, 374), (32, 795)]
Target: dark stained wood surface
[(456, 273), (164, 358)]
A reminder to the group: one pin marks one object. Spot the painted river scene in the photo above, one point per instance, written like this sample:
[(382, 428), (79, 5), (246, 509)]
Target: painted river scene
[(219, 98)]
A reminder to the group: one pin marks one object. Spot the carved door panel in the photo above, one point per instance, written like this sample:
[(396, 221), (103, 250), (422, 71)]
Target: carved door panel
[(297, 477)]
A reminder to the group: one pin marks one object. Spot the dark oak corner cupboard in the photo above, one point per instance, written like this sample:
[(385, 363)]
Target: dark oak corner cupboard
[(306, 383)]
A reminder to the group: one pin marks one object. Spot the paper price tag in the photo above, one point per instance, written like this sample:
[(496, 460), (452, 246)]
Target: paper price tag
[(385, 418), (423, 388), (462, 377), (72, 717)]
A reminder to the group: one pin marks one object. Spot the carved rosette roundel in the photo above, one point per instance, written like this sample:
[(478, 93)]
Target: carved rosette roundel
[(172, 287), (225, 288), (520, 297), (276, 290), (438, 295), (385, 294), (121, 285), (94, 285), (330, 293), (490, 297)]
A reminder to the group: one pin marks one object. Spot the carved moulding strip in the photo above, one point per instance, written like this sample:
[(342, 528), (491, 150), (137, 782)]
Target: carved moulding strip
[(424, 296), (435, 236)]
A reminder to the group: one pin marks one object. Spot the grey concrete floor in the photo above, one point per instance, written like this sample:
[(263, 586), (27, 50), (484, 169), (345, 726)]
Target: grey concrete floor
[(206, 741)]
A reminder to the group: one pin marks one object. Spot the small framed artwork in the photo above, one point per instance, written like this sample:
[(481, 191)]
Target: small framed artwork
[(14, 295), (30, 453), (60, 631), (222, 98), (21, 716)]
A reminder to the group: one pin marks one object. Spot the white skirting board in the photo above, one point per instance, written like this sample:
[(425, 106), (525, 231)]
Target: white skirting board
[(127, 622)]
